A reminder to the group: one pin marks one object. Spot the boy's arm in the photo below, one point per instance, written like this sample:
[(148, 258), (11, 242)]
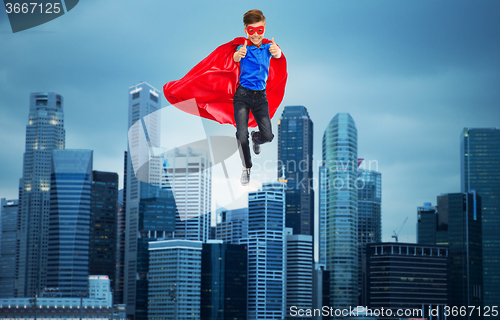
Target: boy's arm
[(241, 53), (275, 50)]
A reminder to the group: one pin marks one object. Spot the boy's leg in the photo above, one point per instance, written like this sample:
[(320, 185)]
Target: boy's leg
[(260, 111), (241, 112)]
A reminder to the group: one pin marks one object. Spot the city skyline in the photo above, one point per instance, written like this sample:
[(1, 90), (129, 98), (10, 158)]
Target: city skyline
[(412, 89)]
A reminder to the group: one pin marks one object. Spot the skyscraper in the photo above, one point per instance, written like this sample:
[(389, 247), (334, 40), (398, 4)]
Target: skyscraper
[(369, 187), (428, 231), (456, 222), (265, 243), (69, 222), (103, 225), (295, 153), (175, 280), (480, 172), (44, 133), (223, 281), (299, 271), (410, 277), (340, 153), (322, 205), (188, 175), (156, 221), (9, 212), (143, 104), (120, 239), (233, 225)]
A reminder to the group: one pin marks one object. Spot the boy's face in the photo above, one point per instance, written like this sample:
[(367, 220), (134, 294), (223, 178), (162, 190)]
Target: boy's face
[(256, 38)]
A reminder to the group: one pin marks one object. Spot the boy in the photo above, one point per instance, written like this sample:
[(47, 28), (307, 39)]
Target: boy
[(254, 58), (245, 74)]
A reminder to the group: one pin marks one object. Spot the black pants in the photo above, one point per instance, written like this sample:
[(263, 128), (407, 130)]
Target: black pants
[(246, 100)]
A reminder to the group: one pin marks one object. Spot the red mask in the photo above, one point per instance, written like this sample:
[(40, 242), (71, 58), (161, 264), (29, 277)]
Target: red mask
[(252, 30)]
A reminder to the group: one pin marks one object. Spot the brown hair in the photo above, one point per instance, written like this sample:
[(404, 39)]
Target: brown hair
[(253, 16)]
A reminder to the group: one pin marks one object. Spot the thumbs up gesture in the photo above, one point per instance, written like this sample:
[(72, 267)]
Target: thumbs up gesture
[(274, 49), (241, 53)]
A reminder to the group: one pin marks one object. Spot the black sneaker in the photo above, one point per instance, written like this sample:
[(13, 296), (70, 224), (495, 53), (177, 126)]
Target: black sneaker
[(256, 146), (245, 176)]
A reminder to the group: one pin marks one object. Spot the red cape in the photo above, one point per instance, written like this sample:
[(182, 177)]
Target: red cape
[(214, 80)]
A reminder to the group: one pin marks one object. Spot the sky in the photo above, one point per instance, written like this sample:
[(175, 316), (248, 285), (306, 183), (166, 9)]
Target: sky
[(412, 74)]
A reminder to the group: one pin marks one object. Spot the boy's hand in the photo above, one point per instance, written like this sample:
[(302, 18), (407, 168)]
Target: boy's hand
[(241, 53), (274, 49)]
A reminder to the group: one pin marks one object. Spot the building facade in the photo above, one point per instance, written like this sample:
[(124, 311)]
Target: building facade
[(52, 306), (120, 238), (408, 277), (427, 226), (69, 222), (9, 213), (174, 280), (142, 169), (295, 155), (369, 187), (265, 243), (299, 272), (456, 222), (341, 212), (44, 133), (103, 224), (223, 281), (479, 159), (188, 175), (233, 225)]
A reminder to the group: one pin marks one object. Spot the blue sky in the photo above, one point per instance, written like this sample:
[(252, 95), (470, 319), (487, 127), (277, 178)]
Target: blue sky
[(412, 74)]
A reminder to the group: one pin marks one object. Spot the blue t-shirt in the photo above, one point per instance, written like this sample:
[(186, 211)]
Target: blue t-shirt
[(254, 67)]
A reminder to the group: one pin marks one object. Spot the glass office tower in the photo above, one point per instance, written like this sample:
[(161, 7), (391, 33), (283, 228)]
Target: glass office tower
[(340, 154), (369, 218), (223, 281), (295, 154), (456, 223), (480, 172), (103, 225), (9, 213), (69, 221), (265, 243)]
